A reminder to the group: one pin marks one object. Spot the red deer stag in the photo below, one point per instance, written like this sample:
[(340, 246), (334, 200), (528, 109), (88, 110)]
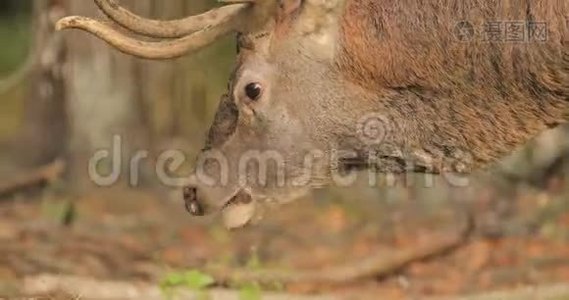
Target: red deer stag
[(321, 86)]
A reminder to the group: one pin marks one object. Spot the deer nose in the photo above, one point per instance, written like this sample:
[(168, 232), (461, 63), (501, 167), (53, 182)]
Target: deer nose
[(194, 203)]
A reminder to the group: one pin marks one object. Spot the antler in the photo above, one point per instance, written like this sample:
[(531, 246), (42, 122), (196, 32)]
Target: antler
[(191, 33), (164, 29)]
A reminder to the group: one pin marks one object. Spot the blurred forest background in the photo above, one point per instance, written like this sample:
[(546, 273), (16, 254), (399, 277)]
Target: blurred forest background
[(64, 96), (81, 92)]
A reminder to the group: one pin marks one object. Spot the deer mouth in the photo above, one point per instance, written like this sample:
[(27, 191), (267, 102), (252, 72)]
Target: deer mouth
[(239, 211)]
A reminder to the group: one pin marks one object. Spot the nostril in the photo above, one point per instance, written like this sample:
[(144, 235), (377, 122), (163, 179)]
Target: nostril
[(192, 202)]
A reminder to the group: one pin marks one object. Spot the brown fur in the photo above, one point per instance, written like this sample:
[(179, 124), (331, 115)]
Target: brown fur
[(488, 97)]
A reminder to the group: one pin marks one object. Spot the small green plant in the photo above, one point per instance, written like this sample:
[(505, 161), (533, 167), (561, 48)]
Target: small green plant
[(254, 261), (250, 291), (63, 211), (193, 280)]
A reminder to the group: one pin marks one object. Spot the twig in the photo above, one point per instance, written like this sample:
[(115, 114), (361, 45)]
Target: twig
[(379, 265), (36, 178)]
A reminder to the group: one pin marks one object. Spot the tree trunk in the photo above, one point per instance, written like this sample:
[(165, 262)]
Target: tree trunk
[(85, 93), (45, 124), (103, 92), (113, 94)]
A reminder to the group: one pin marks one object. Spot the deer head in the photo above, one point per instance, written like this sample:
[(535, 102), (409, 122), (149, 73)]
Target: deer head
[(320, 84), (267, 123)]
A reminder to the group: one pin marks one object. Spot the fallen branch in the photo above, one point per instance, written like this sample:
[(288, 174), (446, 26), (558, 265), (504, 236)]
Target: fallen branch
[(539, 292), (87, 288), (70, 287), (379, 265), (37, 178)]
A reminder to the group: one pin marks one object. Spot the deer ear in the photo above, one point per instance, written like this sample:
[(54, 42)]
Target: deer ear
[(319, 21), (318, 15), (288, 7)]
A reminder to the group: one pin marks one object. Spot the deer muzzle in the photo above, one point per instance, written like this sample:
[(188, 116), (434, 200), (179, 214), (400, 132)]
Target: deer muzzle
[(238, 210)]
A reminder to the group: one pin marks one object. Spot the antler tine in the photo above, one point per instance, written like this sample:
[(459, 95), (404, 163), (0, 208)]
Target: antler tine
[(205, 29), (165, 29), (155, 50)]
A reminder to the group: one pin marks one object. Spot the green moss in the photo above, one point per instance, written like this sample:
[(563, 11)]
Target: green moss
[(15, 39)]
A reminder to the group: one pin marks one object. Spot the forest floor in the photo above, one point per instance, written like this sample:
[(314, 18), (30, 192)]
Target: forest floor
[(133, 235)]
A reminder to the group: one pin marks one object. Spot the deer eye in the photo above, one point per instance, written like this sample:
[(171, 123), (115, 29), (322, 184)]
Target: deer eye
[(253, 91)]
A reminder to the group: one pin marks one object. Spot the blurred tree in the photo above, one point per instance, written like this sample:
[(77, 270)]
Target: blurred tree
[(115, 94), (181, 96), (83, 92), (44, 134), (12, 7), (102, 88)]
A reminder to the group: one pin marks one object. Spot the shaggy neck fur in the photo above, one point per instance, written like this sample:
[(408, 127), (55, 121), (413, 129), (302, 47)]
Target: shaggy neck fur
[(484, 96)]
